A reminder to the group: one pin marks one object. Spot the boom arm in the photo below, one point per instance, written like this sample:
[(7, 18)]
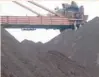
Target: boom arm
[(26, 8), (43, 8)]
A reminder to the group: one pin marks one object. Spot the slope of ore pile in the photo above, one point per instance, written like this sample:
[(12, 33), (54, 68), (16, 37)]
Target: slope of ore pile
[(30, 45), (81, 45), (11, 58), (15, 62)]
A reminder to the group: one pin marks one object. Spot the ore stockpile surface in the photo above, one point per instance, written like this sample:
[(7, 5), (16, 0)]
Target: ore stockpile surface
[(81, 45), (20, 60), (71, 54)]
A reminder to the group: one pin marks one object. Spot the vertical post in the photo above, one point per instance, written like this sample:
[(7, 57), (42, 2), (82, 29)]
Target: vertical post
[(29, 20), (16, 20), (62, 20), (75, 25), (1, 20), (7, 20), (41, 20), (50, 19)]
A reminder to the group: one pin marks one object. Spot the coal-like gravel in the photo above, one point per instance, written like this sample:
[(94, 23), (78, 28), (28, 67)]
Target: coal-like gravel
[(20, 60)]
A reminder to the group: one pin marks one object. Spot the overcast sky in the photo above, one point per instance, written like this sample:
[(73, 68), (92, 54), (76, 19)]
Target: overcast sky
[(9, 8)]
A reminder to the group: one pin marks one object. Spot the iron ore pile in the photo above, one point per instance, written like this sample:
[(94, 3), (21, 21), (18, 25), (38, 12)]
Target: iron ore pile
[(71, 54)]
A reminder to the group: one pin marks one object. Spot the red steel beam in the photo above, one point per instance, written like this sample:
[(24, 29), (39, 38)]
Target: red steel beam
[(34, 20)]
